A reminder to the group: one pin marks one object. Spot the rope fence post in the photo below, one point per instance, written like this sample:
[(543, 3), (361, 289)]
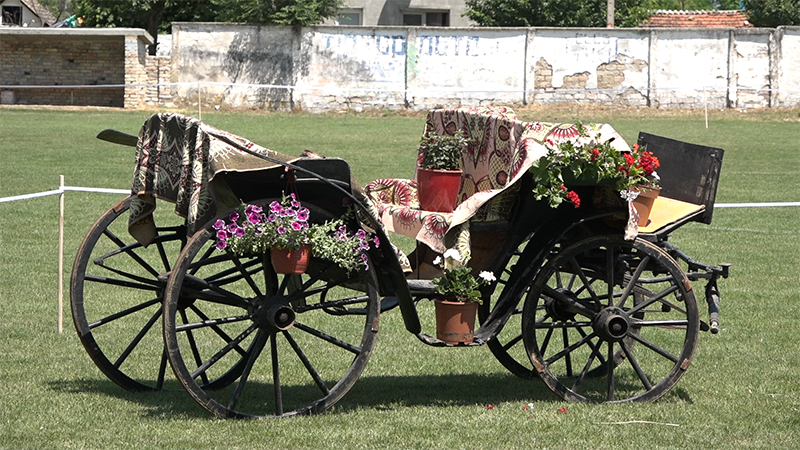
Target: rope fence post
[(61, 255)]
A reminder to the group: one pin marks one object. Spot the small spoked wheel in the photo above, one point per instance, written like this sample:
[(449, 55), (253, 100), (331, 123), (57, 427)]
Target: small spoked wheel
[(116, 296), (610, 320), (303, 339)]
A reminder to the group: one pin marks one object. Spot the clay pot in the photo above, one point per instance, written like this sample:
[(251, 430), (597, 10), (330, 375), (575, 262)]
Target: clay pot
[(455, 321), (644, 203), (289, 261), (438, 189)]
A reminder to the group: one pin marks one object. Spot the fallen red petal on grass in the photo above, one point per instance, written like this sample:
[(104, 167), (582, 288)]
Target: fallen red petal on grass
[(562, 410), (489, 406)]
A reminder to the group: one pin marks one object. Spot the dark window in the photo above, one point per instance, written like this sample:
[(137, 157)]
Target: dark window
[(412, 20), (12, 15), (437, 19)]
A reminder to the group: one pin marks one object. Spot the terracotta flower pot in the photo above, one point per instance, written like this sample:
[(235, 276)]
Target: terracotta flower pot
[(438, 189), (289, 261), (644, 203), (455, 321)]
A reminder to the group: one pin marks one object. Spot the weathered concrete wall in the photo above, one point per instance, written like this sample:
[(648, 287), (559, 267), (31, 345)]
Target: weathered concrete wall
[(788, 67), (58, 66), (419, 68), (236, 57)]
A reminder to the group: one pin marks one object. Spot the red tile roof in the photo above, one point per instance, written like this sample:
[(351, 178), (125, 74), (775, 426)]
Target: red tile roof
[(698, 19)]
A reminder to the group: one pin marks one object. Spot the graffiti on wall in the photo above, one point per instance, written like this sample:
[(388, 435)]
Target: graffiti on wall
[(449, 46), (360, 57), (592, 47)]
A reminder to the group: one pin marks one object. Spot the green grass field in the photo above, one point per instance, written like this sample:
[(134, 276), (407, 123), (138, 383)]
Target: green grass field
[(741, 391)]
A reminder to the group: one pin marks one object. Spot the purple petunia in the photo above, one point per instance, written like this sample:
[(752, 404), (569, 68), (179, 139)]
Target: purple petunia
[(221, 245), (219, 224)]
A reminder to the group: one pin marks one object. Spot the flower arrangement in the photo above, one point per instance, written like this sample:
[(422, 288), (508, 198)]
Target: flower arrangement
[(285, 225), (457, 282), (441, 152), (592, 163)]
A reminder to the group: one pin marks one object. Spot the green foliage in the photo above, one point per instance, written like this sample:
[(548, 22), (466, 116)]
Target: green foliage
[(279, 12), (442, 152), (773, 13), (155, 16), (568, 13)]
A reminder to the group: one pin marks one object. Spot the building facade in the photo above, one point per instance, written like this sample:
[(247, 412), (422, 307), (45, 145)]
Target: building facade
[(432, 13)]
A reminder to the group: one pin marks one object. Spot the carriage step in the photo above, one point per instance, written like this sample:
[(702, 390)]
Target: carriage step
[(432, 341), (421, 287)]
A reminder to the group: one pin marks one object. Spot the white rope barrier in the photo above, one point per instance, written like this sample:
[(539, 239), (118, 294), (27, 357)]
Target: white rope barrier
[(60, 192)]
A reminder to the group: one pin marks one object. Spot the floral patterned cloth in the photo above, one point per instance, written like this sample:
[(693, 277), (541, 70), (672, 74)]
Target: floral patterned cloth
[(177, 158), (502, 150)]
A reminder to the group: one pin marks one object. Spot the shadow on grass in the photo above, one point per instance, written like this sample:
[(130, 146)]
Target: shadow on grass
[(370, 392)]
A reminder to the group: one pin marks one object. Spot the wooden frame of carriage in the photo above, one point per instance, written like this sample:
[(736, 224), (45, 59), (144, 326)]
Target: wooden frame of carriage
[(595, 316)]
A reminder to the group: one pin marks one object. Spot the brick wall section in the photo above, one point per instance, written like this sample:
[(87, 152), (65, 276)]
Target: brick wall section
[(63, 61), (158, 73), (135, 72)]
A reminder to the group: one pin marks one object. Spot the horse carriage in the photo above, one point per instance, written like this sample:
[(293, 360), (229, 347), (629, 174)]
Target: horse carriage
[(598, 308)]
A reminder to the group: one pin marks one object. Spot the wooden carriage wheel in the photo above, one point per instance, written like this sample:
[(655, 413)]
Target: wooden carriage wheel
[(592, 302), (305, 339)]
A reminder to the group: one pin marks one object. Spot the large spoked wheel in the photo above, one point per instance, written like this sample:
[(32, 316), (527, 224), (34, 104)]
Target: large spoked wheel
[(116, 295), (304, 339), (610, 320)]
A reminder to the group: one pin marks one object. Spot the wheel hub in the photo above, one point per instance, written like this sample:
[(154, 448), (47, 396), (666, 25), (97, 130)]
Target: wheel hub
[(611, 324), (273, 316), (557, 308)]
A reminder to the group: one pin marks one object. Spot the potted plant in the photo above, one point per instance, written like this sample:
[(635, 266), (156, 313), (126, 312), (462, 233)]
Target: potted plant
[(284, 231), (439, 171), (458, 297), (570, 163)]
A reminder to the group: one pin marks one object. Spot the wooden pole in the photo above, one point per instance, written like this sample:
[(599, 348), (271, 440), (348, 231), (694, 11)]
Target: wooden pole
[(61, 255), (610, 14)]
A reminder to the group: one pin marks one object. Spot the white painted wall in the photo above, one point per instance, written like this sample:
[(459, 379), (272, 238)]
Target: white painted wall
[(327, 67), (465, 67), (789, 65)]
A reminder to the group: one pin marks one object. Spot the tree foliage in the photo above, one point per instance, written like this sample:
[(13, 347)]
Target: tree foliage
[(571, 13), (153, 15), (277, 12), (773, 13)]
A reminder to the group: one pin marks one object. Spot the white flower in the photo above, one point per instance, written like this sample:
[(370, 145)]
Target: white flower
[(629, 195), (655, 176), (437, 261), (452, 254), (487, 276)]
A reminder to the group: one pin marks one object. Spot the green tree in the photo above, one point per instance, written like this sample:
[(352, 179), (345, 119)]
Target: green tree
[(277, 12), (773, 13), (153, 15), (571, 13)]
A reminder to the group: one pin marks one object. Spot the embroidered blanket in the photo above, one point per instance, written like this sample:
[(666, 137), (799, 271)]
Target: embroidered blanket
[(177, 158)]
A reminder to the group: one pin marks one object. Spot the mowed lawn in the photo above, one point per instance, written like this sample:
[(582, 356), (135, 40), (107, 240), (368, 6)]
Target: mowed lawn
[(741, 391)]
